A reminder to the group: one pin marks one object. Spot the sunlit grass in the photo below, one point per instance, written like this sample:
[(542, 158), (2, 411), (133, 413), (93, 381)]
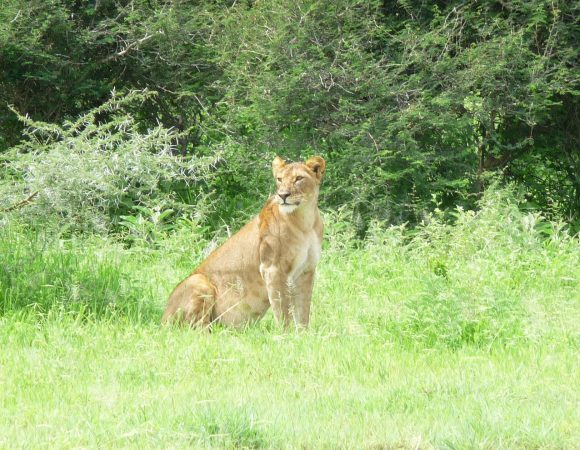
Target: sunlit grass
[(464, 336), (116, 383)]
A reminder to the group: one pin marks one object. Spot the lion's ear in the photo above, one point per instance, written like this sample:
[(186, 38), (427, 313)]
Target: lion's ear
[(277, 164), (317, 164)]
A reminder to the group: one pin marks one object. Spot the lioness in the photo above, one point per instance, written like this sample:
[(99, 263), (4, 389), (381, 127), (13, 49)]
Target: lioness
[(269, 262)]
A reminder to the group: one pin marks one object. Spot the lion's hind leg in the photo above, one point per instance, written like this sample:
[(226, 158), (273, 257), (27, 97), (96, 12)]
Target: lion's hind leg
[(192, 301)]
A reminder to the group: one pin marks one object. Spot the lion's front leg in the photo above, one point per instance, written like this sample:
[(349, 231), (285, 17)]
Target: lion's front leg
[(302, 298), (278, 293)]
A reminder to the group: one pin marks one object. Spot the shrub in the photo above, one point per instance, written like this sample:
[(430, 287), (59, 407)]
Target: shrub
[(88, 173)]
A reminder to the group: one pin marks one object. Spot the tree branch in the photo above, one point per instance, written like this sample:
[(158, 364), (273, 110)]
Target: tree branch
[(22, 203)]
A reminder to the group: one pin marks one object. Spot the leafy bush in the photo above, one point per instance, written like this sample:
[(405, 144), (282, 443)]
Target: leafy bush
[(407, 99), (87, 174)]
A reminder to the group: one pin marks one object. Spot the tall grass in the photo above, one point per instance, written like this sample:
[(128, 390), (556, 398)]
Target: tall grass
[(495, 277), (41, 272)]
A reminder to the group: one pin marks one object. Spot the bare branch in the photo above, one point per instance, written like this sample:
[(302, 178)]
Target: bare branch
[(22, 203), (134, 44)]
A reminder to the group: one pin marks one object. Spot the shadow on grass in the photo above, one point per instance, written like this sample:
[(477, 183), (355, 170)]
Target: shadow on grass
[(213, 427), (42, 273)]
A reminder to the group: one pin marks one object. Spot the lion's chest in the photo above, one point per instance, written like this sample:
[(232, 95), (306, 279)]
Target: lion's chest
[(306, 256)]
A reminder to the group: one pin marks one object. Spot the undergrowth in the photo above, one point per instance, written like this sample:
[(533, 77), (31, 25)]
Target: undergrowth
[(495, 277)]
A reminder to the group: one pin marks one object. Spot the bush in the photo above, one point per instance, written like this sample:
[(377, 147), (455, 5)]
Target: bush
[(87, 174)]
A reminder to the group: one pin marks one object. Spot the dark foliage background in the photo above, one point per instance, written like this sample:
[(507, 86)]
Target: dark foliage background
[(415, 104)]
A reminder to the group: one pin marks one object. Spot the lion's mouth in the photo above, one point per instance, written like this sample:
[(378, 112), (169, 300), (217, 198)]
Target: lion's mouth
[(288, 207)]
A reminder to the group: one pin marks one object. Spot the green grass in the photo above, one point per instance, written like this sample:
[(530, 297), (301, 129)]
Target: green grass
[(462, 336), (115, 384)]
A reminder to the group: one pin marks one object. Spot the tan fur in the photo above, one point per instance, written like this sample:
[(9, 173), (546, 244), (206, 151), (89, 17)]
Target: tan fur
[(269, 262)]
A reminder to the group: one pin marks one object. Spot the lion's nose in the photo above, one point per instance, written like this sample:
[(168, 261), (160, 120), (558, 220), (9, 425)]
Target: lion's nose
[(283, 195)]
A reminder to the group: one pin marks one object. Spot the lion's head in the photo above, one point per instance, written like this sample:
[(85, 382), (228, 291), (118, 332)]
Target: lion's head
[(297, 182)]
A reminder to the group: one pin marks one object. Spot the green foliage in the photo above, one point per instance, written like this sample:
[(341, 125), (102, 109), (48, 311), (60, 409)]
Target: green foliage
[(90, 173), (406, 99), (61, 58)]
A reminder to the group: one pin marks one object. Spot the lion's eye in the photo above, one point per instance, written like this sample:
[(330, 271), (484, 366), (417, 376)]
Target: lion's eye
[(279, 180), (299, 178)]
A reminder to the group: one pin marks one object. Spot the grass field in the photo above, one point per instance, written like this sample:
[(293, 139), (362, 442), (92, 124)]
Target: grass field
[(462, 336)]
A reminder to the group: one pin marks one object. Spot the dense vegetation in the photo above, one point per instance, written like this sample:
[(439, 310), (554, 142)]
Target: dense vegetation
[(415, 104), (489, 279)]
